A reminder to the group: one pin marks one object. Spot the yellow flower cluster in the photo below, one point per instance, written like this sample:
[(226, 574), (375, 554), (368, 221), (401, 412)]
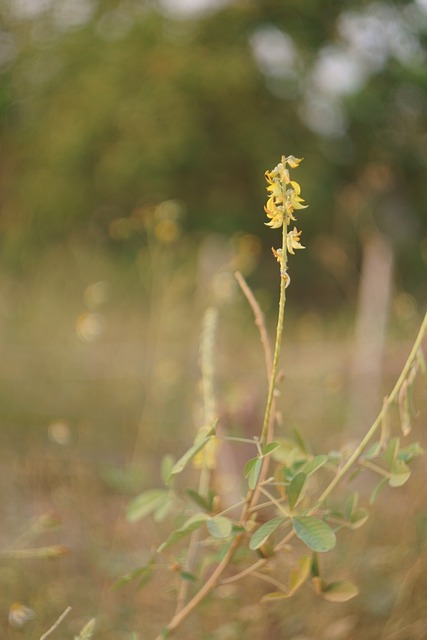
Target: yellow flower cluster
[(283, 198)]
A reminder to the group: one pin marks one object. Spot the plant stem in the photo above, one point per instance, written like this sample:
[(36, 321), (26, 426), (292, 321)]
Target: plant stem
[(210, 583), (279, 331), (377, 423)]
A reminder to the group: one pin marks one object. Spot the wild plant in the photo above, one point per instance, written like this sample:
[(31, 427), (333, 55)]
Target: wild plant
[(285, 507)]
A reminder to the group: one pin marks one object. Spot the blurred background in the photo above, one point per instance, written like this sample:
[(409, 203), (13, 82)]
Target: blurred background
[(134, 139)]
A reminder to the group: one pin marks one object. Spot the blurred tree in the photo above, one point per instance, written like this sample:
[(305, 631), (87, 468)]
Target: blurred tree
[(106, 108)]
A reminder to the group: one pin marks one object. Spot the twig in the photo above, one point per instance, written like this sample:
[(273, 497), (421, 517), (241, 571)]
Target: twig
[(204, 591), (259, 321), (56, 624), (268, 355), (377, 423)]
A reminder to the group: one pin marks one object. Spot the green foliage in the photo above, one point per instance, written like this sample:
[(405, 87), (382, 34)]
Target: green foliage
[(315, 533), (200, 442), (264, 532)]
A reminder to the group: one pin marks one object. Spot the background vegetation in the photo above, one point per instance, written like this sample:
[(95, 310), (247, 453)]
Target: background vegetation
[(134, 138)]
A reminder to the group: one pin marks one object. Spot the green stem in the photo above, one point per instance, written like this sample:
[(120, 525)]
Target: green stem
[(377, 423), (277, 346)]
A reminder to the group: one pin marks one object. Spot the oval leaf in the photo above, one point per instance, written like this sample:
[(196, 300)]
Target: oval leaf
[(375, 493), (274, 596), (249, 466), (269, 448), (316, 534), (188, 527), (300, 574), (254, 474), (311, 466), (219, 527), (399, 473), (358, 518), (146, 503), (340, 591), (166, 507), (264, 532), (296, 489), (200, 442), (351, 504)]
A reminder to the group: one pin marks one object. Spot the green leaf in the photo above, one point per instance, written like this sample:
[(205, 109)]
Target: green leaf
[(412, 451), (399, 473), (188, 527), (146, 503), (315, 567), (189, 577), (339, 591), (301, 442), (219, 527), (373, 451), (127, 480), (249, 465), (264, 532), (200, 442), (358, 518), (300, 574), (274, 596), (295, 490), (311, 466), (288, 452), (269, 448), (254, 473), (391, 452), (351, 504), (198, 499), (375, 493), (143, 573), (316, 534), (165, 508), (166, 468)]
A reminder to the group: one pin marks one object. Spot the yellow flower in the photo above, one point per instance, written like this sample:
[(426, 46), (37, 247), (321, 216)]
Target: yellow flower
[(283, 194), (293, 162), (278, 254), (293, 240)]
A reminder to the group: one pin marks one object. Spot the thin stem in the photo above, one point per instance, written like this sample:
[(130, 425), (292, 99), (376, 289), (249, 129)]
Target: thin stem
[(271, 580), (259, 321), (211, 582), (374, 467), (56, 624), (274, 501), (279, 331), (377, 423), (261, 562)]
